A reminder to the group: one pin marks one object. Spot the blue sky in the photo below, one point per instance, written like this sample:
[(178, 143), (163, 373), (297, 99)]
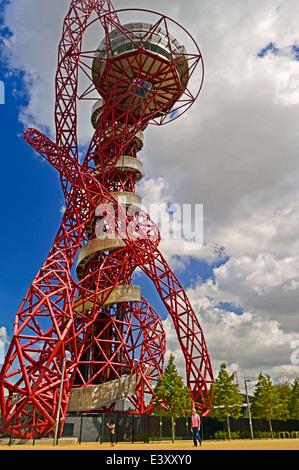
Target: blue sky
[(271, 48), (235, 152), (31, 198)]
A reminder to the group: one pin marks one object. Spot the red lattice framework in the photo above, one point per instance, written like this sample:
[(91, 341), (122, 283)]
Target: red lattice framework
[(105, 335)]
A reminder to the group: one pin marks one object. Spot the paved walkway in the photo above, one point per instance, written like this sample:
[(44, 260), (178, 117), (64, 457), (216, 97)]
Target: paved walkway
[(263, 444)]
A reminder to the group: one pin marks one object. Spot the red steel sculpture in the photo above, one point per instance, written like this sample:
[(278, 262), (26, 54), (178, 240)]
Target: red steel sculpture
[(95, 337)]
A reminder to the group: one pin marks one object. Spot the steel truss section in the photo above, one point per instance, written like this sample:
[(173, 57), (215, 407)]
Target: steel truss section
[(99, 328)]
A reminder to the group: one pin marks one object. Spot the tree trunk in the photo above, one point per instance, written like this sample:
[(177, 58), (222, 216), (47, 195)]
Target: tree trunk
[(228, 427), (271, 430), (172, 428)]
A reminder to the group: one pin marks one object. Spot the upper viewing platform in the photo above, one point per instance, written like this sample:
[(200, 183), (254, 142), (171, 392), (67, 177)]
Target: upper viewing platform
[(141, 62), (136, 35)]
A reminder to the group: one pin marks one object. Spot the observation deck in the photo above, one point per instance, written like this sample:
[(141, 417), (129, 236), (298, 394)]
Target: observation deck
[(144, 69)]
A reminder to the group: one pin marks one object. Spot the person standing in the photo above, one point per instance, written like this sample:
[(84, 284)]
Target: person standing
[(195, 426), (111, 428)]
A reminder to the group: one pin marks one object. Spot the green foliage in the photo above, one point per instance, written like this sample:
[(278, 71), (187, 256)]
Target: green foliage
[(226, 398), (289, 397), (222, 435), (284, 391), (294, 400), (279, 402), (172, 397), (264, 435), (130, 408), (143, 437), (266, 402)]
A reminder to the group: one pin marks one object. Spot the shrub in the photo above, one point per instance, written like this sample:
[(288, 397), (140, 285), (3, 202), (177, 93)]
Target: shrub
[(263, 435), (221, 435), (144, 437)]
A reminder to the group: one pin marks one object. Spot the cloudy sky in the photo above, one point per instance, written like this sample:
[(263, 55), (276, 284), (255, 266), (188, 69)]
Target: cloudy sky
[(235, 152)]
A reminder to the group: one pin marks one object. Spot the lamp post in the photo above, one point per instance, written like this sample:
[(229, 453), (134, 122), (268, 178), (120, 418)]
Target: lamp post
[(249, 414)]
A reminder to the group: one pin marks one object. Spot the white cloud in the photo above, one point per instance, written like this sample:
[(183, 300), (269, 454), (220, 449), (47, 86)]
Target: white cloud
[(235, 152)]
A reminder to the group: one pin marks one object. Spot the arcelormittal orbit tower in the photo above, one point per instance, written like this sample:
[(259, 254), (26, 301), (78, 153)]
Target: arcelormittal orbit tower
[(84, 337)]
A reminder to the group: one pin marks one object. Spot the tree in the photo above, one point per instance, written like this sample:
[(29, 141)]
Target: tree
[(226, 398), (266, 401), (294, 400), (284, 390), (172, 397)]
